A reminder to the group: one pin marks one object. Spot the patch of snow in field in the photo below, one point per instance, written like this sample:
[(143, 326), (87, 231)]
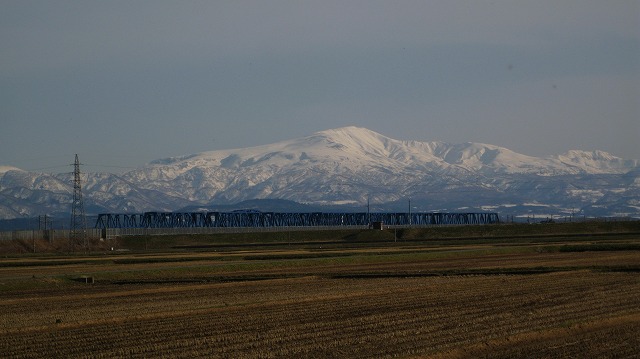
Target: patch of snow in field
[(535, 204), (488, 208), (336, 203)]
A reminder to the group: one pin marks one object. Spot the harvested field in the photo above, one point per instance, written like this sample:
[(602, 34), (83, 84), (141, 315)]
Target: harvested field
[(491, 299)]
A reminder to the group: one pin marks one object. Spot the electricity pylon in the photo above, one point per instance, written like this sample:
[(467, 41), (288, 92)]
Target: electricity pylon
[(78, 234)]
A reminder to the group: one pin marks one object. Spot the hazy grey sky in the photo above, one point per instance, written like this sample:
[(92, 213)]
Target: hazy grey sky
[(122, 83)]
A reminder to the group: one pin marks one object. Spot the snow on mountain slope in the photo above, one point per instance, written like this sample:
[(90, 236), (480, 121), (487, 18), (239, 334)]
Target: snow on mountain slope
[(348, 143), (489, 158), (359, 148), (596, 161), (5, 169), (328, 165), (337, 166), (32, 181)]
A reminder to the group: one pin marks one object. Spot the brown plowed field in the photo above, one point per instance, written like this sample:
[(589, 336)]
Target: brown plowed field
[(410, 301)]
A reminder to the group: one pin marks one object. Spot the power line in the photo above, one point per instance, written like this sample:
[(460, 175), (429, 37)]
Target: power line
[(111, 166), (46, 168), (84, 164)]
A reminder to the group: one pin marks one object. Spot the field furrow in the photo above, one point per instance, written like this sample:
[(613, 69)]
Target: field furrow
[(482, 301)]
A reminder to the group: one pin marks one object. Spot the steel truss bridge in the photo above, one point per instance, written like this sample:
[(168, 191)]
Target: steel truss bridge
[(277, 219)]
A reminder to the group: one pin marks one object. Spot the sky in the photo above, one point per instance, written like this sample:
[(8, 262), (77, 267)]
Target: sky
[(122, 83)]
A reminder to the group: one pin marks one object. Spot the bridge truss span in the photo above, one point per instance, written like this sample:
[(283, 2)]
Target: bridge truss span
[(256, 219)]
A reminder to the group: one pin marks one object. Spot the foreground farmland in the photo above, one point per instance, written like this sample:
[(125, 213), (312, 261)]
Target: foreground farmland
[(531, 297)]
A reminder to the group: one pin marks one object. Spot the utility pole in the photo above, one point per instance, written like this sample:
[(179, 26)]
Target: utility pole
[(368, 212), (45, 224), (78, 233)]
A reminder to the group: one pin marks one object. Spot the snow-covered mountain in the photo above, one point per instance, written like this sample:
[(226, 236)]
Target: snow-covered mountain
[(348, 166)]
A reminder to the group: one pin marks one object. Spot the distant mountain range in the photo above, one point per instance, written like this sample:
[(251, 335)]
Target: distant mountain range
[(344, 169)]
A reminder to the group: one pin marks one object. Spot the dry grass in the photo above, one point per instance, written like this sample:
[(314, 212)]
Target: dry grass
[(410, 301)]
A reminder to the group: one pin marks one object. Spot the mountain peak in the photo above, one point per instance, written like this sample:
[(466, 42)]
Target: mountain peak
[(345, 165), (596, 161), (593, 155), (350, 131), (5, 169), (356, 141)]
